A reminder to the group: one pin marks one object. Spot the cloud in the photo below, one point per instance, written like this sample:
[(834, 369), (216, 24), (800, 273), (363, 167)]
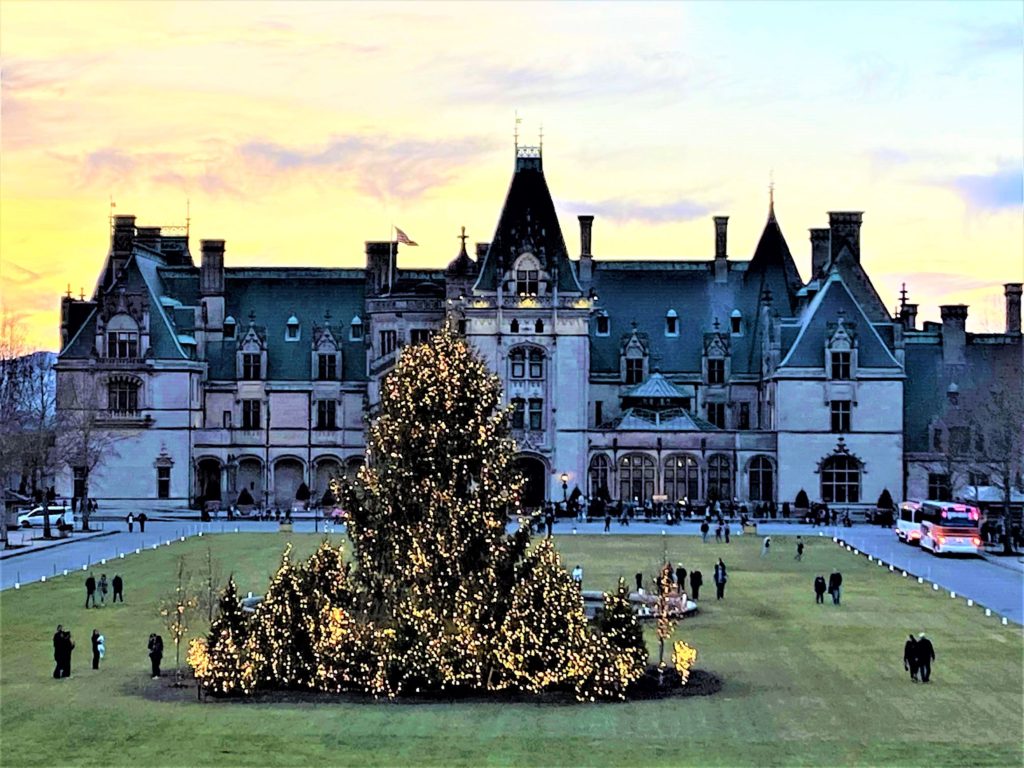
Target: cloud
[(992, 192), (649, 213), (994, 39), (23, 276)]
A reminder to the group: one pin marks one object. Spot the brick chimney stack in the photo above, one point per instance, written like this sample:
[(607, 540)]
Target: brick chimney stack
[(211, 270), (1013, 292), (122, 243), (586, 257), (954, 333), (844, 228), (721, 249), (820, 239), (908, 314)]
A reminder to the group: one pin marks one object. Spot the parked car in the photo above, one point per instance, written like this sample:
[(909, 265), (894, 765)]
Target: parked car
[(34, 517)]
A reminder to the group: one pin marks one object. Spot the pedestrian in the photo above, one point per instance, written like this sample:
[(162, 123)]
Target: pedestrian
[(550, 519), (704, 528), (696, 580), (90, 591), (103, 589), (718, 533), (639, 581), (607, 519), (910, 657), (726, 533), (156, 653), (799, 549), (681, 577), (131, 522), (835, 586), (577, 574), (766, 546), (925, 657), (67, 646), (819, 589), (118, 584), (58, 652), (142, 522), (720, 578), (97, 648)]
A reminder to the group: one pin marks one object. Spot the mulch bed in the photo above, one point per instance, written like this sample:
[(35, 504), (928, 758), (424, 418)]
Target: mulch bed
[(701, 683)]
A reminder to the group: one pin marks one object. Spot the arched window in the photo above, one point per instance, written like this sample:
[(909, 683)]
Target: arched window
[(681, 478), (735, 322), (840, 480), (123, 397), (536, 364), (762, 479), (719, 478), (291, 329), (122, 337), (671, 323), (229, 327), (599, 469), (538, 327), (355, 332), (527, 276), (514, 327), (636, 477)]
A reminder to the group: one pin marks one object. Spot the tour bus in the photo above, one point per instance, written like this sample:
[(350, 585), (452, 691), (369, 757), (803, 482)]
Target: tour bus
[(948, 528)]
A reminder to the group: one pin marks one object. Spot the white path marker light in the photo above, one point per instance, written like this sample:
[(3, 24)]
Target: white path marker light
[(43, 579), (137, 551), (988, 611), (920, 580), (935, 587), (1004, 621), (65, 571), (970, 603), (952, 595)]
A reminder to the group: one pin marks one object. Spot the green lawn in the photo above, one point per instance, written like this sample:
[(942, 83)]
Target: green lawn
[(804, 684)]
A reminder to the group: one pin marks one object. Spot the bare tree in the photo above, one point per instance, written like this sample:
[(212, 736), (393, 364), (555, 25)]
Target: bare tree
[(39, 413), (209, 597), (177, 609), (12, 350), (84, 442)]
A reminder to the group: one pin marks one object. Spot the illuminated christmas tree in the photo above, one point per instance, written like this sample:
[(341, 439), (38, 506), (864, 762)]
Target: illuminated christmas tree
[(225, 671)]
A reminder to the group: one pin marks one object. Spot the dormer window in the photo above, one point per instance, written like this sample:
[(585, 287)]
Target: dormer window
[(251, 365), (735, 322), (527, 275), (716, 371), (841, 364), (603, 324), (355, 332), (122, 337), (229, 327), (291, 330), (671, 323)]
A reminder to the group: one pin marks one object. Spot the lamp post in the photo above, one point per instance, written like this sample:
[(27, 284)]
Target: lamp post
[(565, 488)]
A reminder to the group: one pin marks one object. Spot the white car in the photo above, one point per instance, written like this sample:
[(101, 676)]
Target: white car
[(35, 517)]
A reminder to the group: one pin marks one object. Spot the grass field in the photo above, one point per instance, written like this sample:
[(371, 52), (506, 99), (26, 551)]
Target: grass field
[(805, 684)]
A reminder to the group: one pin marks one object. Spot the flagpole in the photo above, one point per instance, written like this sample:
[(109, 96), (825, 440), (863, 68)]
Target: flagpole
[(391, 258)]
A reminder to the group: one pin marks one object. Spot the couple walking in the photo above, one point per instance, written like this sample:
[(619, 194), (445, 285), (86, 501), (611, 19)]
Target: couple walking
[(918, 655)]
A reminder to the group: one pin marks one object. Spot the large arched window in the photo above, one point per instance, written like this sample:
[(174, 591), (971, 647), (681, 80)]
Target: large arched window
[(636, 477), (762, 479), (681, 478), (719, 478), (840, 480), (599, 470), (123, 396), (122, 337), (527, 275)]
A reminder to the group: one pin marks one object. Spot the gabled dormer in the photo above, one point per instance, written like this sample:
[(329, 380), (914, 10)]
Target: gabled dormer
[(716, 356), (527, 254), (841, 351), (251, 358), (326, 352), (634, 357)]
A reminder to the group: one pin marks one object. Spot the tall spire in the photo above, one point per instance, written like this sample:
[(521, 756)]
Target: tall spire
[(771, 195)]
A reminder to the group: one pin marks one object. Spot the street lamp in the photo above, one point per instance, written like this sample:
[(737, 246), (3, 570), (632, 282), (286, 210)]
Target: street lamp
[(565, 487)]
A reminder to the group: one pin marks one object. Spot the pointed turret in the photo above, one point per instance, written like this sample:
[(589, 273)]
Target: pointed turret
[(528, 225), (772, 266)]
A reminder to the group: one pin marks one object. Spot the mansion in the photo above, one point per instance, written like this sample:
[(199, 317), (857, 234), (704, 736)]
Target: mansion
[(647, 380)]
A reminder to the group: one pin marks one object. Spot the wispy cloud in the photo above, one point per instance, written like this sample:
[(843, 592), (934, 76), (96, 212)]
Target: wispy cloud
[(634, 211), (993, 39), (996, 191)]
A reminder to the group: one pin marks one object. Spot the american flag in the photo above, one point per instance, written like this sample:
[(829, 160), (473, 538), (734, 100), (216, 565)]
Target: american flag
[(403, 238)]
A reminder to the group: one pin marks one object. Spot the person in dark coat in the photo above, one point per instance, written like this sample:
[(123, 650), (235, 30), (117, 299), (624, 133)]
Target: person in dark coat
[(799, 548), (819, 589), (90, 591), (720, 578), (58, 651), (96, 642), (681, 577), (639, 580), (910, 657), (835, 586), (118, 584), (142, 522), (696, 580), (130, 519), (156, 653), (67, 646), (925, 657), (704, 528), (726, 533)]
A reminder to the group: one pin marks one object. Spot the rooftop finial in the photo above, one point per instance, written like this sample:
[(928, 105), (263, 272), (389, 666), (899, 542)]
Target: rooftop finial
[(463, 237), (69, 290), (541, 144), (771, 194), (516, 132), (903, 295)]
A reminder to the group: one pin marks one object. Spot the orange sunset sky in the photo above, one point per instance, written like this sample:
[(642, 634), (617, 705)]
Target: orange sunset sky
[(298, 131)]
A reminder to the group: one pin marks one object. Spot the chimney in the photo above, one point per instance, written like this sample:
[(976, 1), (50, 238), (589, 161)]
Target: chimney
[(586, 257), (908, 314), (148, 236), (844, 230), (481, 252), (122, 243), (379, 255), (1013, 291), (820, 239), (721, 249), (211, 270), (954, 333)]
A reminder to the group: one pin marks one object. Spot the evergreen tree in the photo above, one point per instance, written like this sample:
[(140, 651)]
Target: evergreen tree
[(325, 577), (219, 660), (618, 622), (618, 654), (280, 645)]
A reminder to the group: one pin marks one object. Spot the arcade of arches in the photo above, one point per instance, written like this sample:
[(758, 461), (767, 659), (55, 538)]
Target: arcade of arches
[(638, 477)]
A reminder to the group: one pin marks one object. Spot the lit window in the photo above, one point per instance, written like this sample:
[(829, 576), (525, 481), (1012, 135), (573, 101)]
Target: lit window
[(840, 480), (527, 282), (123, 397)]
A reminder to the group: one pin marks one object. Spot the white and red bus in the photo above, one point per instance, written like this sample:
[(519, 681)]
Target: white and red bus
[(948, 528)]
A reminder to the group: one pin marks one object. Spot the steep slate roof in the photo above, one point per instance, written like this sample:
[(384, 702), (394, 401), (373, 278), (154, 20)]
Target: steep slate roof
[(528, 222), (273, 295), (832, 302), (772, 266), (656, 386)]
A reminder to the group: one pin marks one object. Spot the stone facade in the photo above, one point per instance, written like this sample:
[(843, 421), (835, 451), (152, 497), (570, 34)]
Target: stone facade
[(644, 380)]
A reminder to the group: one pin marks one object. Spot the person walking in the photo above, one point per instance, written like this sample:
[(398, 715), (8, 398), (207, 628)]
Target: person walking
[(835, 586), (766, 546), (577, 574), (142, 522), (819, 589), (639, 581), (718, 533), (156, 653), (720, 578), (696, 580), (90, 590), (607, 519), (799, 549), (67, 646), (131, 522), (58, 652), (118, 585), (103, 589), (704, 528), (97, 645), (681, 577), (925, 657), (910, 657), (726, 533)]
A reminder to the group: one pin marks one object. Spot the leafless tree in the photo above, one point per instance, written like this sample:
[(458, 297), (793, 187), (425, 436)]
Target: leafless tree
[(177, 609), (210, 577), (12, 351), (84, 442)]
